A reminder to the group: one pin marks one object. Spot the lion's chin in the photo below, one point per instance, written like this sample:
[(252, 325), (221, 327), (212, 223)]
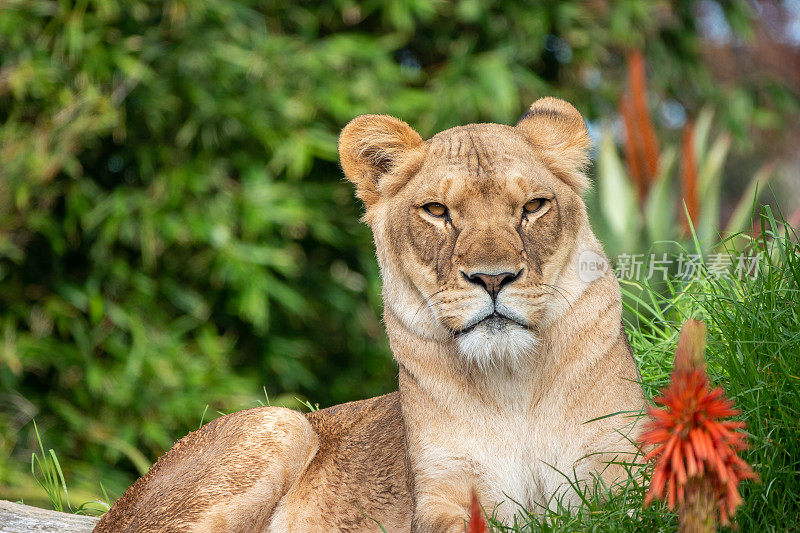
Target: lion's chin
[(496, 342)]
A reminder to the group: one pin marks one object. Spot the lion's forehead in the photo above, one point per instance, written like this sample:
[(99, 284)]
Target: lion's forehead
[(484, 162), (478, 144)]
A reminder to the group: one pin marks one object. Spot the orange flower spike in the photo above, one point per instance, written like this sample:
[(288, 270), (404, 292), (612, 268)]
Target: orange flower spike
[(691, 345), (689, 175), (477, 523), (696, 467), (634, 148), (637, 83)]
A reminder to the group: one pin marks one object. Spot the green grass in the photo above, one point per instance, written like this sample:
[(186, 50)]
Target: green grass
[(753, 353), (50, 478)]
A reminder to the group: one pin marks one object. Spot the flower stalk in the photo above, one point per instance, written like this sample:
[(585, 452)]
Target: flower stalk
[(477, 523)]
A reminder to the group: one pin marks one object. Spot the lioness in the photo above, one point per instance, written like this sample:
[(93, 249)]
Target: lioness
[(509, 358)]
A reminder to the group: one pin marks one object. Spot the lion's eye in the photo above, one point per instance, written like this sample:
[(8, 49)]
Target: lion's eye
[(534, 205), (435, 209)]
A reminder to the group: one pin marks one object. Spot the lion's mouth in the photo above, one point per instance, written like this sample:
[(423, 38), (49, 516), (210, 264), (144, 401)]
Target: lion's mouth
[(494, 322)]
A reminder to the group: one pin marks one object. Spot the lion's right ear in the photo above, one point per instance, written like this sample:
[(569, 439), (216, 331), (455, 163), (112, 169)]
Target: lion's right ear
[(558, 133), (371, 146)]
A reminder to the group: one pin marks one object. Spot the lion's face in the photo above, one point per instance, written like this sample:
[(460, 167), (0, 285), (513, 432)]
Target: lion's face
[(473, 229)]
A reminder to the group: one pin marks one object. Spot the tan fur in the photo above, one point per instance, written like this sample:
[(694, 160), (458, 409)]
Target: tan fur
[(495, 394), (558, 133)]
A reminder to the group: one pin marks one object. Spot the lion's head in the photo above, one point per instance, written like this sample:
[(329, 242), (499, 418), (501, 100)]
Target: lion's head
[(475, 227)]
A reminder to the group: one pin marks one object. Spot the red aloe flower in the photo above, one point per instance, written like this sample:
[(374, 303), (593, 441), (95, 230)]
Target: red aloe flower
[(697, 467), (637, 83), (633, 147), (689, 175), (641, 142), (477, 523)]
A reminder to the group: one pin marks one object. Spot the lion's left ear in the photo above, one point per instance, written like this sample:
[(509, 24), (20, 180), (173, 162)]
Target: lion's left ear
[(558, 133)]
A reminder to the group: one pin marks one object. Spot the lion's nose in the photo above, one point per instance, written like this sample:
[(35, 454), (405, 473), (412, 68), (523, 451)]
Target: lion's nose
[(491, 282)]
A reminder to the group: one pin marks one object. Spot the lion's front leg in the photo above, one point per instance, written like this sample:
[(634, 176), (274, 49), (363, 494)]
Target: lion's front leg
[(441, 504), (440, 519)]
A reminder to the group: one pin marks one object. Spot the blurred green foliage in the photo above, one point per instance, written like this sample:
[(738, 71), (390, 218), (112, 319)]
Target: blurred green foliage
[(626, 223), (174, 228)]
